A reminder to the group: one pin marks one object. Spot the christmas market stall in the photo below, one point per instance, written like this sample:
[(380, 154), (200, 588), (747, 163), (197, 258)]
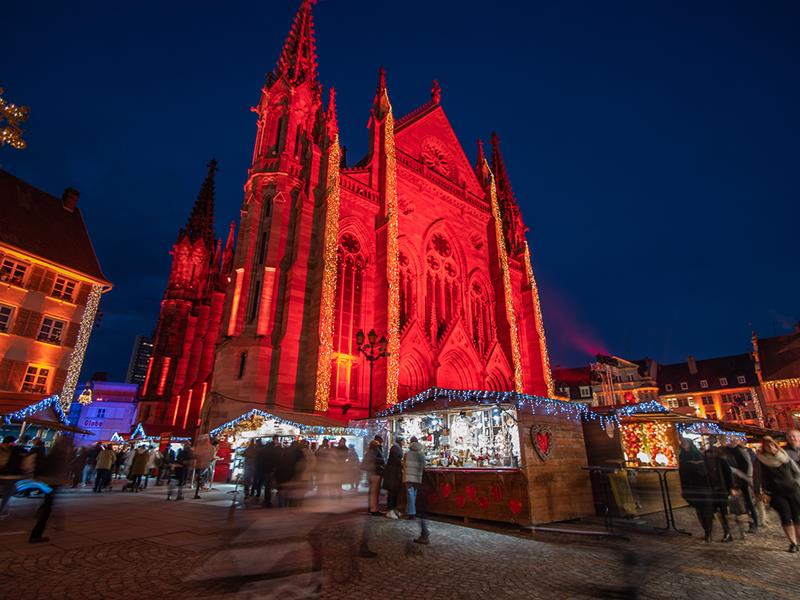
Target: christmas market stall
[(257, 424), (499, 456), (42, 419)]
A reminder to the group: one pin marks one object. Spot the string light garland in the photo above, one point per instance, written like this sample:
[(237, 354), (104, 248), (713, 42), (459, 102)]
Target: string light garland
[(312, 429), (392, 260), (329, 276), (782, 383), (79, 351), (537, 316), (11, 119), (509, 294), (707, 429), (30, 410)]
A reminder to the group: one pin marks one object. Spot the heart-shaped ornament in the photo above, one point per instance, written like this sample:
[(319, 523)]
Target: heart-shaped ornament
[(471, 492), (445, 489), (542, 441), (483, 502)]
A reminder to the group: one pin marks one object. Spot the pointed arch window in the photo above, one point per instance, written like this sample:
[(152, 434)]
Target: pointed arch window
[(407, 295), (442, 292), (349, 306), (481, 319)]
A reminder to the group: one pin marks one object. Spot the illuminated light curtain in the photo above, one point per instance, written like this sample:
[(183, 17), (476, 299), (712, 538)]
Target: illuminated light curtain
[(407, 300), (516, 357), (442, 302), (79, 351), (537, 315), (348, 310), (392, 261)]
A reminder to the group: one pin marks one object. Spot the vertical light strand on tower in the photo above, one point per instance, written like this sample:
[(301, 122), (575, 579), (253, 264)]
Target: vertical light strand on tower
[(509, 295), (392, 261), (329, 273), (79, 351), (537, 315)]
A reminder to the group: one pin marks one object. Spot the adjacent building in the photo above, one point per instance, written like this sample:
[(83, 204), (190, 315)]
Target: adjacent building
[(50, 288), (723, 388), (140, 360), (574, 384), (112, 410), (777, 365), (620, 381)]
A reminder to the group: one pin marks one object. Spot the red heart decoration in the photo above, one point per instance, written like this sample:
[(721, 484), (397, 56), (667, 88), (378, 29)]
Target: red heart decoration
[(483, 501), (460, 501), (471, 491), (515, 506), (445, 490), (497, 493), (543, 441)]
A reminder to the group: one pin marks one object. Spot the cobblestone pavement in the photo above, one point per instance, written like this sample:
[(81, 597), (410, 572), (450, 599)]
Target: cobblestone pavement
[(123, 545)]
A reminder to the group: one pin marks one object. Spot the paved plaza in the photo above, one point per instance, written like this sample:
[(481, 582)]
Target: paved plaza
[(123, 545)]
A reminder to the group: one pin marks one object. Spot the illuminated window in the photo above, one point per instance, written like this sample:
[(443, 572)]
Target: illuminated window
[(51, 330), (703, 383), (12, 271), (481, 322), (64, 289), (684, 385), (723, 381), (35, 380), (586, 391), (442, 294), (349, 291), (707, 400), (741, 379), (668, 387), (6, 313), (101, 413), (407, 296)]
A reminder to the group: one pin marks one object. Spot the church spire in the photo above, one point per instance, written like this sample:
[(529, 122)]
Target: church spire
[(331, 122), (513, 226), (481, 166), (298, 60), (201, 220), (381, 106)]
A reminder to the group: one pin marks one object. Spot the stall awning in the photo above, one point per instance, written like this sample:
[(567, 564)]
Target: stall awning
[(48, 409), (307, 422)]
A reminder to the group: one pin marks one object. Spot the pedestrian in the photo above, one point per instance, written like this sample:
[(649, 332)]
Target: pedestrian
[(153, 460), (782, 482), (252, 476), (373, 465), (305, 477), (138, 468), (76, 465), (119, 462), (325, 467), (743, 479), (203, 454), (285, 472), (185, 462), (695, 487), (105, 460), (268, 459), (721, 479), (91, 462), (340, 467), (793, 445), (393, 477), (11, 455), (354, 467), (51, 471), (413, 468)]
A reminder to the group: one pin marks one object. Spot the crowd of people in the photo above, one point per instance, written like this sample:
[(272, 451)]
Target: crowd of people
[(735, 483)]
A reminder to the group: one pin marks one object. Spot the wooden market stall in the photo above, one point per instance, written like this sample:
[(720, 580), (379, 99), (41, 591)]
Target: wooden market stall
[(500, 456)]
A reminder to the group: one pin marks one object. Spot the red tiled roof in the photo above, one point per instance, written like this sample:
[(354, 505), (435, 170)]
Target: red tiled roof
[(36, 222)]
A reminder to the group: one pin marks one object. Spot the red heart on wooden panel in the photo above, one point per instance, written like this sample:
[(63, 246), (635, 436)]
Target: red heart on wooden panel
[(542, 440), (497, 493), (515, 506), (460, 501), (483, 501), (445, 490), (471, 491), (433, 498)]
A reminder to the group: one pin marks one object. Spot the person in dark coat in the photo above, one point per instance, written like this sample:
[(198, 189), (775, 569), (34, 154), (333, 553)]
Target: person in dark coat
[(288, 460), (782, 482), (743, 478), (393, 477), (252, 472), (720, 477), (793, 445), (695, 487), (374, 464), (267, 462)]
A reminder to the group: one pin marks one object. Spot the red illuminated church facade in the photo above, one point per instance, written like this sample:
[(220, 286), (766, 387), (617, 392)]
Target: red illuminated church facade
[(414, 241)]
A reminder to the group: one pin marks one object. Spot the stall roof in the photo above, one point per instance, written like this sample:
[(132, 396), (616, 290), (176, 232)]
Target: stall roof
[(310, 422), (48, 409)]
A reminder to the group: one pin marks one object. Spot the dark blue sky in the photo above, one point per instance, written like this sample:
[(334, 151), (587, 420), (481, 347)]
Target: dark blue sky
[(653, 146)]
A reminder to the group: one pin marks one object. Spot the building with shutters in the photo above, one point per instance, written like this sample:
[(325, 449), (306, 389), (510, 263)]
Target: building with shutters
[(50, 287)]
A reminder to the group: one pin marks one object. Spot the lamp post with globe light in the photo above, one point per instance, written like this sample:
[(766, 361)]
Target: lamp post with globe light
[(373, 349)]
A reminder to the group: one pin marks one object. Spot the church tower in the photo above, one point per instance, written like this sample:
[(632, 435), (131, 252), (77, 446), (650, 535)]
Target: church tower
[(179, 371)]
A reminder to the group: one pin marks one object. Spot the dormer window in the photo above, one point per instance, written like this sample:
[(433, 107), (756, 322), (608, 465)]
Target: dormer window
[(741, 379), (684, 386), (723, 381), (668, 387), (704, 383)]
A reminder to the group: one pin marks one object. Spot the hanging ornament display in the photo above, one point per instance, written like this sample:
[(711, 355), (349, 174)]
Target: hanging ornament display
[(648, 444)]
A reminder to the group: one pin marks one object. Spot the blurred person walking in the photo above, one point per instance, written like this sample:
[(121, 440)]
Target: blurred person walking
[(91, 462), (721, 479), (413, 468), (793, 445), (744, 478), (373, 465), (153, 460), (695, 487), (354, 467), (782, 482), (268, 459), (256, 459), (137, 470), (105, 461), (51, 470), (11, 455), (393, 477)]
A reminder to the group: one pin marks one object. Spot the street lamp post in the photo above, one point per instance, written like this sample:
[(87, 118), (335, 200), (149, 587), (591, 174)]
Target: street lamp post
[(374, 349)]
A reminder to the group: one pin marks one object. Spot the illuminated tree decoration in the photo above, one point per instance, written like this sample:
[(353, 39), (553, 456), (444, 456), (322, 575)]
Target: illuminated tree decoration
[(537, 315), (11, 119), (392, 260), (648, 440), (76, 358), (509, 294), (85, 397), (328, 303)]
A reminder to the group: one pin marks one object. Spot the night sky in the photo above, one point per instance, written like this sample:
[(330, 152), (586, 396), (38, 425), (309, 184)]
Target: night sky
[(653, 146)]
